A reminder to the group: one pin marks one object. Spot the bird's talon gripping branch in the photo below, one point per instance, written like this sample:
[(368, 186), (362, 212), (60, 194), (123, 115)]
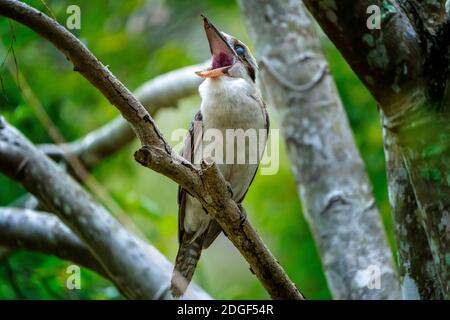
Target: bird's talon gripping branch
[(230, 190), (242, 214)]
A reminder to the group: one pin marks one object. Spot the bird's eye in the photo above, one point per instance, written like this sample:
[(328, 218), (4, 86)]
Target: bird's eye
[(239, 50)]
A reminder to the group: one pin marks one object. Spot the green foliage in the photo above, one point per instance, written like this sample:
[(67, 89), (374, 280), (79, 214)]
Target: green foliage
[(138, 40)]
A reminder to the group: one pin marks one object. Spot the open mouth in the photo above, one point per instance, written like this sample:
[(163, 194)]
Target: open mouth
[(223, 57)]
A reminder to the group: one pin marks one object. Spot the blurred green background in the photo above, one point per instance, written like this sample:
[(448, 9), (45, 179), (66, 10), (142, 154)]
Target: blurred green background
[(138, 40)]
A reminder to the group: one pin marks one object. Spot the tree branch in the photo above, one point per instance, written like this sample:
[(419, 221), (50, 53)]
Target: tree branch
[(207, 184), (128, 262), (329, 171), (418, 273), (375, 55), (45, 233), (161, 92)]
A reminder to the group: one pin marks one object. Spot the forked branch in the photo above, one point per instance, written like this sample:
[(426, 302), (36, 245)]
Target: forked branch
[(206, 184)]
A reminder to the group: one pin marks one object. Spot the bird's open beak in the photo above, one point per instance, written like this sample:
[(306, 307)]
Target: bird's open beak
[(223, 56)]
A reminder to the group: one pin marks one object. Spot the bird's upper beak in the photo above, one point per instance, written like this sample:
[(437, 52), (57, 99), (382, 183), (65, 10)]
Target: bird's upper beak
[(223, 56)]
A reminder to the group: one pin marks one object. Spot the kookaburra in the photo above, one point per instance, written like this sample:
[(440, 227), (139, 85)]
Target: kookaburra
[(231, 102)]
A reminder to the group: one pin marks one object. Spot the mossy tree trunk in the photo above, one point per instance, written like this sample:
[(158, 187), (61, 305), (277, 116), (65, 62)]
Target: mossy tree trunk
[(405, 65), (417, 269)]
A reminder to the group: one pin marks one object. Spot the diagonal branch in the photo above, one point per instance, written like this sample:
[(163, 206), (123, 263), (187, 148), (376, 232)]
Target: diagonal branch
[(131, 264), (161, 92), (206, 184)]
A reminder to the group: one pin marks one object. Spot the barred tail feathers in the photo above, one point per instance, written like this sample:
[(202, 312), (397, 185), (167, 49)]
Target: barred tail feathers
[(187, 258)]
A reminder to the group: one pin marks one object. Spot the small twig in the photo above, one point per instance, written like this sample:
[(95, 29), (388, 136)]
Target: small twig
[(10, 275), (49, 10)]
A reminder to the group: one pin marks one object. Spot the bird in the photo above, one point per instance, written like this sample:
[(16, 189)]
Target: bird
[(230, 102)]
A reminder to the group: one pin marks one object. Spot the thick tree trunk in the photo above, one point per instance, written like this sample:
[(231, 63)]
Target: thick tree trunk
[(331, 178), (405, 66), (418, 273)]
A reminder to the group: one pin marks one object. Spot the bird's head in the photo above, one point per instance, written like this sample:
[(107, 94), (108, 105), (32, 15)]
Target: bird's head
[(230, 57)]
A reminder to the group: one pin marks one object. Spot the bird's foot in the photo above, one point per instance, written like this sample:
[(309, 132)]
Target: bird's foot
[(242, 214), (230, 190)]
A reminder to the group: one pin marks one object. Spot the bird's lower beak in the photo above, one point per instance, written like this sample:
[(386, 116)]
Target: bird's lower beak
[(223, 56)]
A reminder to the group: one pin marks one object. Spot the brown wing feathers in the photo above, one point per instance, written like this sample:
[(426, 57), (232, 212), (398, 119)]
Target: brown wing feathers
[(190, 250)]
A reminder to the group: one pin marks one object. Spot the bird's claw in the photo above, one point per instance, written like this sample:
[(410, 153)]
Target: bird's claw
[(242, 214), (230, 190)]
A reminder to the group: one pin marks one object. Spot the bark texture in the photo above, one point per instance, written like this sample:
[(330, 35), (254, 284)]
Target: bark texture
[(418, 273), (43, 232), (330, 174), (404, 64), (206, 184), (161, 92), (127, 261)]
